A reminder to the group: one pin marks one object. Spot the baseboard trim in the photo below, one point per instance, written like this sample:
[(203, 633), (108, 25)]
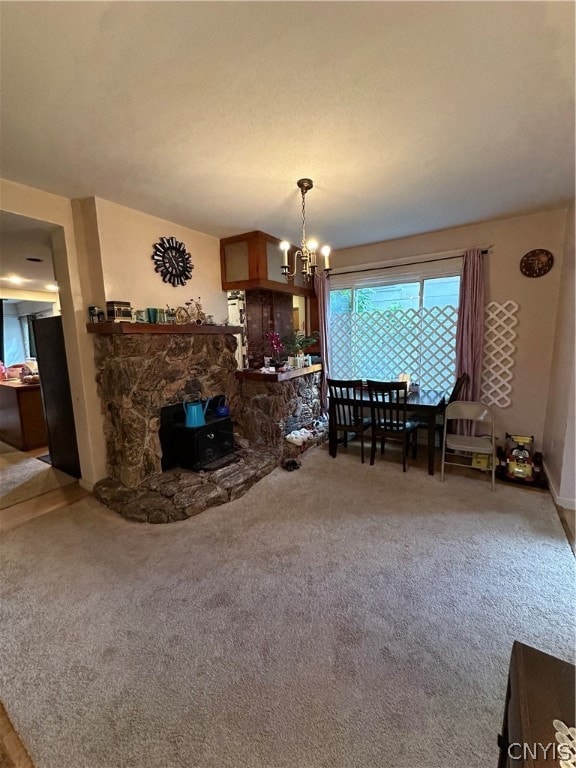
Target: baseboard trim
[(561, 501), (86, 485)]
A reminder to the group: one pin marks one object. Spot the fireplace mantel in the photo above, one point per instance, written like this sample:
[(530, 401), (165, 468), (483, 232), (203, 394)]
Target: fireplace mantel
[(109, 327)]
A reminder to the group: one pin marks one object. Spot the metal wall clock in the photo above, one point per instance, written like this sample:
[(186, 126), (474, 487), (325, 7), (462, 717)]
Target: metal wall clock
[(172, 261), (536, 263)]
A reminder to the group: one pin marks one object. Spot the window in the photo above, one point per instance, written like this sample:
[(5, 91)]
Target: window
[(395, 320)]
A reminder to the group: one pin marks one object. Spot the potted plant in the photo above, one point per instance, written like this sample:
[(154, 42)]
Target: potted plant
[(296, 341), (276, 346)]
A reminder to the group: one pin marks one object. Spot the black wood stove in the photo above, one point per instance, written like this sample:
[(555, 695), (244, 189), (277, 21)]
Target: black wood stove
[(207, 447)]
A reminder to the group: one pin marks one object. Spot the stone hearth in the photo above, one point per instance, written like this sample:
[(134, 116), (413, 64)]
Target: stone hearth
[(180, 493)]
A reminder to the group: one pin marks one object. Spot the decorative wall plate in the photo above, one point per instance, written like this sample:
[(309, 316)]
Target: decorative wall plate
[(536, 263), (172, 261)]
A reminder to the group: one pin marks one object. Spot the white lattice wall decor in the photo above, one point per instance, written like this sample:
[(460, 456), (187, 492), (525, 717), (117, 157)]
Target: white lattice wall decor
[(499, 347)]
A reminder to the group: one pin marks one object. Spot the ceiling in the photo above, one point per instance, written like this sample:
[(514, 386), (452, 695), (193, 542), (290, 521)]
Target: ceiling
[(408, 116), (23, 239)]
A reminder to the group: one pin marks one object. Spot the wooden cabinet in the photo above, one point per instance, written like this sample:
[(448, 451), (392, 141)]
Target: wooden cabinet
[(22, 422), (253, 260), (251, 263), (265, 311), (540, 690)]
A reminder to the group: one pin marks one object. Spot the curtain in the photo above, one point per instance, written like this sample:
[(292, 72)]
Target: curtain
[(322, 290), (470, 329)]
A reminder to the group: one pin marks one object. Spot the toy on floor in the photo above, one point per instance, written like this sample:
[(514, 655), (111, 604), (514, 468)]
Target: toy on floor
[(518, 461)]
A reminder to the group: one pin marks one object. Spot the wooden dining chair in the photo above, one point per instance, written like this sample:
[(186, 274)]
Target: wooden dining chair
[(345, 413), (388, 401), (457, 389), (459, 385)]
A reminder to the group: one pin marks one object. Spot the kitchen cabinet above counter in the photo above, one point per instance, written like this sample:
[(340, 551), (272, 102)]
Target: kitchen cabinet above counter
[(254, 260)]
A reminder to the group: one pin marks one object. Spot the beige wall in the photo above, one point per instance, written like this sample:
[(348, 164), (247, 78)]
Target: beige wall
[(88, 249), (127, 238), (537, 298), (559, 428)]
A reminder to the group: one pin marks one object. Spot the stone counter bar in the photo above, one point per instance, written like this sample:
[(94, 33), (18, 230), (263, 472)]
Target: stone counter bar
[(274, 404), (272, 378)]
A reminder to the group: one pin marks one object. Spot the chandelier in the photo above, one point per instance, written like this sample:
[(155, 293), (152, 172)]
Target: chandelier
[(308, 248)]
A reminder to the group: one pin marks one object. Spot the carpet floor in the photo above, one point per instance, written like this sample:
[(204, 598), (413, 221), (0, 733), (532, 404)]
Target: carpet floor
[(339, 616), (23, 477)]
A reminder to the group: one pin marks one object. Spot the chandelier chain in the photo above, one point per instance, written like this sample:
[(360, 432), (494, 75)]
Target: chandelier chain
[(303, 218)]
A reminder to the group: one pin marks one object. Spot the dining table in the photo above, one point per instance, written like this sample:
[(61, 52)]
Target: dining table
[(428, 403)]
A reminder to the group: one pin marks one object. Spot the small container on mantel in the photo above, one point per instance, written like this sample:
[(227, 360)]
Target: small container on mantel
[(119, 311), (93, 312)]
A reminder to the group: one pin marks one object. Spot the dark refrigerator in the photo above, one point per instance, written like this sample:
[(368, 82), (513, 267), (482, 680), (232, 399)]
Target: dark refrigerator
[(56, 394)]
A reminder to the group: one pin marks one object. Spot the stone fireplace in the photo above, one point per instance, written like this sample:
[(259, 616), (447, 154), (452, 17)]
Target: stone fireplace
[(138, 373), (142, 369)]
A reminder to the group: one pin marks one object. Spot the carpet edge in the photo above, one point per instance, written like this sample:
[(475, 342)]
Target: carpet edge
[(12, 744)]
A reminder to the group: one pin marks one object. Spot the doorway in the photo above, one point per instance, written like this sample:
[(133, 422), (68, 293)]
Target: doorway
[(29, 294)]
